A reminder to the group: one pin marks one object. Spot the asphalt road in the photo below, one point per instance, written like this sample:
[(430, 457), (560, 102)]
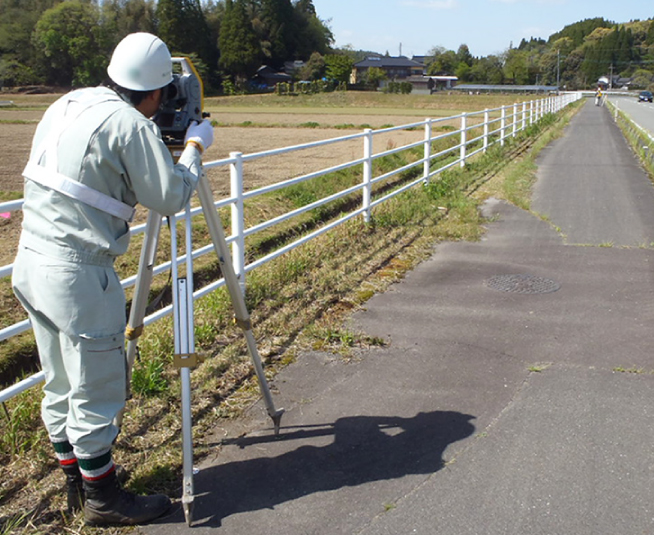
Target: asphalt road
[(514, 395), (641, 112)]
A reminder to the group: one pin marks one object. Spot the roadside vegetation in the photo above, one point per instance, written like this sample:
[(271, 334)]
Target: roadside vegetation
[(640, 142), (299, 302)]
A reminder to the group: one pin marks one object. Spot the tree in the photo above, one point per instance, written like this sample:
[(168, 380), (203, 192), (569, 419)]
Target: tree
[(462, 72), (69, 35), (22, 62), (515, 67), (443, 63), (314, 69), (184, 29), (487, 70), (122, 17), (313, 35), (239, 46), (580, 30), (463, 55), (373, 77), (494, 70), (642, 78), (650, 34), (278, 18), (338, 67), (13, 73)]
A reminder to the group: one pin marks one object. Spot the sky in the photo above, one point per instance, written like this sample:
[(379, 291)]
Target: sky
[(414, 27)]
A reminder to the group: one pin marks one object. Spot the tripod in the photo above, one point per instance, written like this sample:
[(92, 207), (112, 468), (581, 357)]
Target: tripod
[(185, 357)]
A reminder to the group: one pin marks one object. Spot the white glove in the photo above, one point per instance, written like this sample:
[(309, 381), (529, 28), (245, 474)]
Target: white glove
[(200, 133)]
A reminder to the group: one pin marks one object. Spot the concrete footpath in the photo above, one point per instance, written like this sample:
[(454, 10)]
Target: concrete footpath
[(515, 396)]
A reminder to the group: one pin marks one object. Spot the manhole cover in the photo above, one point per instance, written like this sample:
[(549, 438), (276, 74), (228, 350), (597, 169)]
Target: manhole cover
[(522, 284)]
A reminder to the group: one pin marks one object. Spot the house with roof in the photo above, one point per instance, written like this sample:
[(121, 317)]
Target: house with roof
[(267, 77), (396, 68)]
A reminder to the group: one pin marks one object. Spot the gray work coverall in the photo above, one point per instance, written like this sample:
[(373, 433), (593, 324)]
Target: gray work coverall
[(63, 273)]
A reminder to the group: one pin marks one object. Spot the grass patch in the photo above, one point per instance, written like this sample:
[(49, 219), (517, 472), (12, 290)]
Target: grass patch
[(10, 195), (537, 368), (633, 369), (16, 121)]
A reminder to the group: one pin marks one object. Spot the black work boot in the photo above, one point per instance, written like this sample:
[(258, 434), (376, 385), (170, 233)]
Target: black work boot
[(107, 503), (74, 488)]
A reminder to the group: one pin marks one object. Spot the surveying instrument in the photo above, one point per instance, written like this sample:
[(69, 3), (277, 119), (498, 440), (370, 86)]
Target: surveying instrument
[(183, 104)]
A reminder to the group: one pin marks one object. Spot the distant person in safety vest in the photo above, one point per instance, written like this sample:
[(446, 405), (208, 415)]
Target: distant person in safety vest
[(96, 154), (599, 95)]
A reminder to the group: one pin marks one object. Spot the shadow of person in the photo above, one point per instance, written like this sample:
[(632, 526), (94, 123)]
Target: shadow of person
[(364, 449)]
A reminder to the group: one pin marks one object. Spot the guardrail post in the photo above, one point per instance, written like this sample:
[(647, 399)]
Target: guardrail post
[(426, 165), (238, 218), (531, 112), (464, 139), (367, 173), (524, 115), (515, 118), (503, 126), (486, 124)]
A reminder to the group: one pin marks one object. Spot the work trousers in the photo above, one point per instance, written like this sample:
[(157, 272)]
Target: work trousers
[(77, 312)]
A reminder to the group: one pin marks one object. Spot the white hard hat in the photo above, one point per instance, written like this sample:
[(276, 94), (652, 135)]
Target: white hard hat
[(141, 62)]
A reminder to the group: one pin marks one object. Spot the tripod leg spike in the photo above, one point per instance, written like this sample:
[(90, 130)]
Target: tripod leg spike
[(277, 420), (188, 512)]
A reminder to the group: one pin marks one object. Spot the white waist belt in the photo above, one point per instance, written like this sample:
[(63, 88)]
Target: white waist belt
[(78, 191)]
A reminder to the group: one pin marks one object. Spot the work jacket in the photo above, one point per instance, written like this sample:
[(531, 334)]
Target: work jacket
[(94, 137)]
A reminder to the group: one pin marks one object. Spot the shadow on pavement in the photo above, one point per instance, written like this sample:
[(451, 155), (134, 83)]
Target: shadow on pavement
[(364, 449)]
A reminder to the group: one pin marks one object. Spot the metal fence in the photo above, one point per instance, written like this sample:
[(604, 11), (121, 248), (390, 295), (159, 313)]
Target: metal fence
[(477, 131)]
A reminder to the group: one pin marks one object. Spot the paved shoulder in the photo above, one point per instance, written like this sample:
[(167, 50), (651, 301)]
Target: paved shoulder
[(592, 186)]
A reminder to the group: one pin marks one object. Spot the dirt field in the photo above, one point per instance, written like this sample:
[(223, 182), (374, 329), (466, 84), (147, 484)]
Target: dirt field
[(16, 136)]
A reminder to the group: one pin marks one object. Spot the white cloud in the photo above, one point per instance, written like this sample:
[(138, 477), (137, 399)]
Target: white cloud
[(431, 4)]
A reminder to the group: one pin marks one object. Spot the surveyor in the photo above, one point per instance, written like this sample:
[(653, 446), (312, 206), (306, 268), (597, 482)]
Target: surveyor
[(96, 154)]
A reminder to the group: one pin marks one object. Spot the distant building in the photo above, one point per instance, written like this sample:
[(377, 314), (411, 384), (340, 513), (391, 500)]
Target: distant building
[(396, 68), (614, 82), (268, 77), (431, 84), (291, 67)]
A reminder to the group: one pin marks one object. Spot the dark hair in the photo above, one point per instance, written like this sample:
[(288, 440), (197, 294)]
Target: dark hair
[(131, 95)]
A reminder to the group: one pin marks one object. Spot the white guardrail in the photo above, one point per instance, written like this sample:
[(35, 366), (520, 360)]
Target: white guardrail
[(496, 126)]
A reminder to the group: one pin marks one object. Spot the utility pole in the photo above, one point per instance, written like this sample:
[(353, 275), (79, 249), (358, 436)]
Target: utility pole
[(611, 77), (558, 70)]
